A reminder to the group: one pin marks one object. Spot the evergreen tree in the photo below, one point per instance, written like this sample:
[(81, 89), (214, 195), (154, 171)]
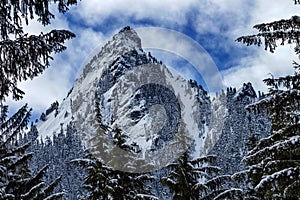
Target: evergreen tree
[(104, 182), (16, 180), (198, 179), (182, 179), (57, 152), (274, 162), (66, 147), (24, 56)]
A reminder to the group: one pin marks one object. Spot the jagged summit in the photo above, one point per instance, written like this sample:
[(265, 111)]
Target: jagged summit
[(129, 37), (125, 40), (127, 30)]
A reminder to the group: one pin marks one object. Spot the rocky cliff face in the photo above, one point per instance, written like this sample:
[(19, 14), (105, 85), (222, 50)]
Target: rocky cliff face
[(151, 106)]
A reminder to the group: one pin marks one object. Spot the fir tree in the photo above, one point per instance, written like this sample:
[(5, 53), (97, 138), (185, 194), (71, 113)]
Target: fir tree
[(182, 178), (274, 162), (57, 152), (285, 31), (104, 182), (23, 57), (16, 180), (198, 179)]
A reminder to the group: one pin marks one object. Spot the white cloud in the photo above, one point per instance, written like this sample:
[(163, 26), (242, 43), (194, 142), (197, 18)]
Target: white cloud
[(255, 68), (94, 12), (81, 49), (268, 11), (223, 17)]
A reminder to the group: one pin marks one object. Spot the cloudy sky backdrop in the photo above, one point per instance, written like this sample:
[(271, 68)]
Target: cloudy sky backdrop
[(214, 24)]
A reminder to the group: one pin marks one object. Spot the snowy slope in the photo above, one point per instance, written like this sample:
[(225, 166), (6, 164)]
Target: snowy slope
[(81, 99), (54, 123)]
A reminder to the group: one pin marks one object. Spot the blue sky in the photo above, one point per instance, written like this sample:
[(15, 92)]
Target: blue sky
[(213, 24)]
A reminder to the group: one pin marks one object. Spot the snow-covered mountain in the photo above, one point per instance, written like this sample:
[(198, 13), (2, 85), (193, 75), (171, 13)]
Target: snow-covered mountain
[(150, 103), (151, 108)]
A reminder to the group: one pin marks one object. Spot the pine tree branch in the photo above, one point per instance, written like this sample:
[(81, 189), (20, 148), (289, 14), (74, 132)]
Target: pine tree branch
[(292, 191), (284, 24), (27, 57), (3, 115), (12, 122), (273, 181), (273, 151), (205, 159), (276, 136), (285, 31), (270, 39), (12, 13), (55, 196), (7, 197), (33, 191), (278, 165), (16, 126), (23, 159), (39, 176), (50, 188), (233, 193)]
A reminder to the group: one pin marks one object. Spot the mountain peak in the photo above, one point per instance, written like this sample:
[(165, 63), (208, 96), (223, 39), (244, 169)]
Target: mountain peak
[(126, 28), (127, 37)]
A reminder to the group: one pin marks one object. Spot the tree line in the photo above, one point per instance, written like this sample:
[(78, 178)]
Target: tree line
[(272, 165)]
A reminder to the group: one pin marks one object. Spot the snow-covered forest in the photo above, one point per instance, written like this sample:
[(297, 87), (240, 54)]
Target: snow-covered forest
[(75, 150)]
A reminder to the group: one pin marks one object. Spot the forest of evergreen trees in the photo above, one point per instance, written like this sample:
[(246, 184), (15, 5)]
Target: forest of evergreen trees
[(60, 167)]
